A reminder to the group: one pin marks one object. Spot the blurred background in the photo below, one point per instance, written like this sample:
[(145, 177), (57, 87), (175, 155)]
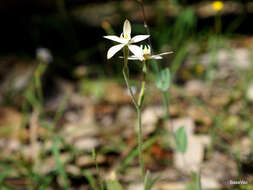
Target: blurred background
[(61, 99)]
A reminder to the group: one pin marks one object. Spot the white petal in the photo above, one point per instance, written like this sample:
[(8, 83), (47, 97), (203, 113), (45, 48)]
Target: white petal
[(116, 39), (136, 50), (114, 49), (133, 58), (130, 58), (166, 53), (155, 57), (127, 28), (139, 38)]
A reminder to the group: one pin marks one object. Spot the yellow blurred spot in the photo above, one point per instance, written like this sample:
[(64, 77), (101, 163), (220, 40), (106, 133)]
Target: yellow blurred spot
[(199, 69), (217, 5), (106, 25), (36, 73)]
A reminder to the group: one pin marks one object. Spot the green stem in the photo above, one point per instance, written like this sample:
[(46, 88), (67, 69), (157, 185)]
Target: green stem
[(126, 77), (142, 92), (140, 143), (137, 105), (166, 105), (94, 156), (140, 102)]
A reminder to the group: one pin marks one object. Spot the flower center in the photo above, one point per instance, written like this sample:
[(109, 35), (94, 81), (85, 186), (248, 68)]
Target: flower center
[(146, 56)]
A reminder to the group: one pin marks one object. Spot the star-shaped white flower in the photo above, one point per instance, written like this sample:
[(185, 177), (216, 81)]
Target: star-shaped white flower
[(146, 54), (125, 40)]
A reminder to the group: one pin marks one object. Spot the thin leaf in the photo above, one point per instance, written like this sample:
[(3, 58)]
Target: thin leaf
[(113, 185), (146, 180), (181, 140), (90, 179), (163, 80)]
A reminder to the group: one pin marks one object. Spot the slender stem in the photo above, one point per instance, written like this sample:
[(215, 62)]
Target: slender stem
[(140, 143), (145, 22), (99, 176), (126, 77), (166, 105), (142, 92), (140, 102), (138, 105)]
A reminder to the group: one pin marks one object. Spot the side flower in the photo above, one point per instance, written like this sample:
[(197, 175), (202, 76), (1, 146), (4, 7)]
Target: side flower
[(125, 40), (146, 54)]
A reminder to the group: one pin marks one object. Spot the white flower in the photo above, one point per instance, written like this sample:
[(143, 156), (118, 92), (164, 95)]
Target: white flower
[(125, 40), (146, 54), (44, 54)]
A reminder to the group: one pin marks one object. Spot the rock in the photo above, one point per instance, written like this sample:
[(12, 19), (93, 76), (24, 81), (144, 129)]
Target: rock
[(241, 58), (209, 183), (73, 131), (187, 122), (169, 186), (194, 155), (196, 88), (73, 170), (107, 121), (13, 145), (136, 186), (86, 160), (31, 151), (199, 115), (10, 124), (115, 94), (133, 175), (219, 168), (17, 78), (250, 92), (48, 165), (168, 174), (159, 186), (86, 143), (192, 158), (242, 148), (150, 117), (125, 115)]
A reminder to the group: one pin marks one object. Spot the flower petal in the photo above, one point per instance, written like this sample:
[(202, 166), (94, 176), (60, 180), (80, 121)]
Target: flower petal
[(155, 57), (133, 58), (165, 53), (115, 38), (130, 58), (139, 38), (127, 29), (114, 49), (137, 51)]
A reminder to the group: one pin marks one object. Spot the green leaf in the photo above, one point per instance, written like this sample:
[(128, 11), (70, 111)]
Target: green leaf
[(113, 185), (181, 140), (149, 182), (146, 180), (90, 179), (163, 80), (58, 162)]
